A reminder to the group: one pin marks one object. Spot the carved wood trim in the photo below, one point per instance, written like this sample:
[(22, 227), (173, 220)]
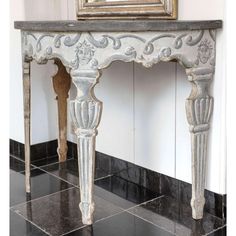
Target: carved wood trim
[(27, 128), (86, 51), (61, 85)]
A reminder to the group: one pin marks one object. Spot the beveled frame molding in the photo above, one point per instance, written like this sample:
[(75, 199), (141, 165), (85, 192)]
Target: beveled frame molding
[(129, 9)]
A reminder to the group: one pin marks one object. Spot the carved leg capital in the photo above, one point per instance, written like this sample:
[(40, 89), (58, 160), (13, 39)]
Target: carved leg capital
[(199, 107), (86, 112)]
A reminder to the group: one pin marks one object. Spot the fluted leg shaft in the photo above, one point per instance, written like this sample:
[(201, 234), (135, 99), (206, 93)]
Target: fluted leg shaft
[(86, 153), (199, 148), (86, 112), (199, 108)]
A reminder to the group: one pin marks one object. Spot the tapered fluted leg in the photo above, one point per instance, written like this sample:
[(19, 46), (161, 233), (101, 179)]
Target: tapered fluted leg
[(26, 94), (61, 85), (86, 111), (199, 108)]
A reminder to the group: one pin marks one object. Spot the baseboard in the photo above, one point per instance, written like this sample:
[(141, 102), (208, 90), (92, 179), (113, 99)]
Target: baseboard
[(157, 182), (38, 151)]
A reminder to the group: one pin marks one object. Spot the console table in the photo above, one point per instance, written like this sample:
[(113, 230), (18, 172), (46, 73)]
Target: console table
[(81, 49)]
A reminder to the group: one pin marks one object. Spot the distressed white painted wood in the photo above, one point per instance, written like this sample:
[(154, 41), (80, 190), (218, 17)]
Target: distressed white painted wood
[(61, 84), (86, 111), (27, 102), (199, 107), (85, 54)]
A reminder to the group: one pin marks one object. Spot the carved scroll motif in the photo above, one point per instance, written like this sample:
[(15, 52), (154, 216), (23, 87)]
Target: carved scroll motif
[(98, 50)]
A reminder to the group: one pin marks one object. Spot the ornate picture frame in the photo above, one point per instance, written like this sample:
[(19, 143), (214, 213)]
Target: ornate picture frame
[(126, 9)]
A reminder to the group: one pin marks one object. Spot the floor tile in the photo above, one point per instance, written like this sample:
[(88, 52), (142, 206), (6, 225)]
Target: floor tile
[(66, 170), (123, 193), (38, 151), (41, 183), (20, 227), (51, 147), (220, 232), (169, 186), (45, 161), (123, 224), (59, 213), (176, 217), (16, 164), (69, 171), (14, 147)]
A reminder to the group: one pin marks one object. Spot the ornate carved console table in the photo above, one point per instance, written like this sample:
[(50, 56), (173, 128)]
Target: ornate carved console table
[(85, 48)]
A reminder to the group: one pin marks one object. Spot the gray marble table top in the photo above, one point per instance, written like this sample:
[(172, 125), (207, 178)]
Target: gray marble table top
[(117, 25)]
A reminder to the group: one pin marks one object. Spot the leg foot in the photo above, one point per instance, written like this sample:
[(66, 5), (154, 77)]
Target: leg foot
[(87, 210), (197, 208)]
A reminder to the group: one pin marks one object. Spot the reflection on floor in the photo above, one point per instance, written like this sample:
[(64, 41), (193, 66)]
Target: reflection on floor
[(123, 208)]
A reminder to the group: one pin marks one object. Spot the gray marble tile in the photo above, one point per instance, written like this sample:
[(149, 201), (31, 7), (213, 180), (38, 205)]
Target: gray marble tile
[(68, 171), (17, 164), (45, 161), (103, 161), (175, 217), (123, 193), (20, 227), (41, 183), (169, 186), (38, 151), (14, 148), (151, 180), (51, 148), (59, 213), (219, 232), (123, 224)]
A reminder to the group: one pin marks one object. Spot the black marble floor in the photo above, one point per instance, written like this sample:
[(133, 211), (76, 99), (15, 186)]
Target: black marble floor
[(122, 208)]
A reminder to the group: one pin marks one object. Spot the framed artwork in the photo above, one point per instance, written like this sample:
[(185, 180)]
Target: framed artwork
[(128, 9)]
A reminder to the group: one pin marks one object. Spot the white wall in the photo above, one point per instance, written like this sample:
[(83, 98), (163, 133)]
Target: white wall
[(156, 139), (16, 105)]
